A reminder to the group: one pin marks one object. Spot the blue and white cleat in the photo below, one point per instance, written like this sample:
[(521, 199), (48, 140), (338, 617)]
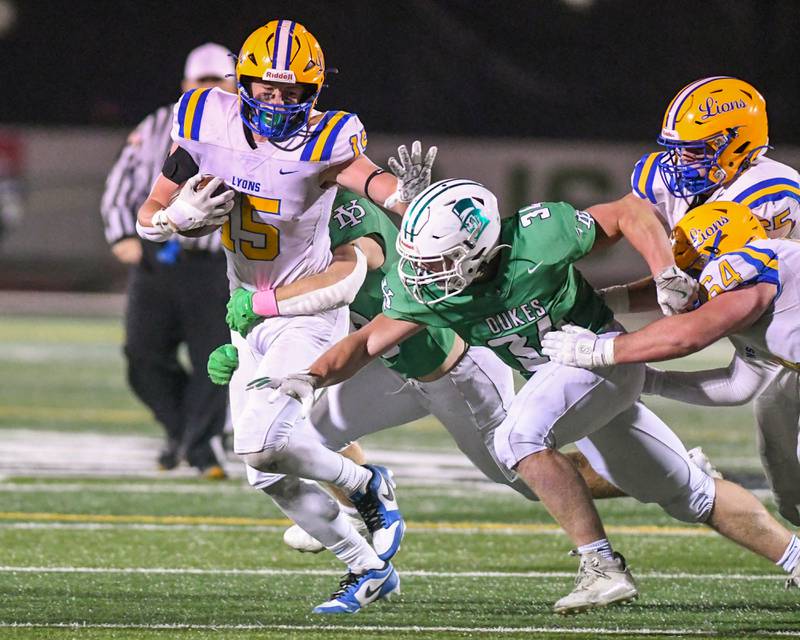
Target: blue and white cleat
[(359, 590), (378, 508)]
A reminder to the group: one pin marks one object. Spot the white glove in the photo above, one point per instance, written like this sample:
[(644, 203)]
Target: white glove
[(193, 209), (412, 172), (676, 291), (578, 347), (300, 386)]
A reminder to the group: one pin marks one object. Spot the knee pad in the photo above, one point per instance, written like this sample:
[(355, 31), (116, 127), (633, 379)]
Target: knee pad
[(694, 504)]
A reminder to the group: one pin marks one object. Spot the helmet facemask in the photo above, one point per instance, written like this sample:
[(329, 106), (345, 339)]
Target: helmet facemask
[(692, 167), (275, 121), (440, 277)]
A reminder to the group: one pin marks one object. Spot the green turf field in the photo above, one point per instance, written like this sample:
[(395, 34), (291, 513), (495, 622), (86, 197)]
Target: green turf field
[(104, 557)]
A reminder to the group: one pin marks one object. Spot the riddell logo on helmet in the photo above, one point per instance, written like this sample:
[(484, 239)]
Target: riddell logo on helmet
[(276, 75), (713, 108), (699, 236)]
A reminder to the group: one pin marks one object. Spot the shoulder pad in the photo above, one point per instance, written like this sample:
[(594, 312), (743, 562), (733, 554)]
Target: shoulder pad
[(337, 137), (193, 111), (751, 264), (769, 190), (644, 175)]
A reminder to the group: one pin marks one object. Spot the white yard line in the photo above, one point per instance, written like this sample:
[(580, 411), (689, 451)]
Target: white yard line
[(358, 629), (656, 575)]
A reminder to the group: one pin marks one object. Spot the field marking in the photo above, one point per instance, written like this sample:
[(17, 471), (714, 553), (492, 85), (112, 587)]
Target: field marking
[(358, 628), (420, 573), (466, 528)]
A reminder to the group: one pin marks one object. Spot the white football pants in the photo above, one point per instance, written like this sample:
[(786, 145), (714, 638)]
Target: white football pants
[(623, 440)]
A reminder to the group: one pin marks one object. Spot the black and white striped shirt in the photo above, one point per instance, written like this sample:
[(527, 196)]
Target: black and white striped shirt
[(129, 182)]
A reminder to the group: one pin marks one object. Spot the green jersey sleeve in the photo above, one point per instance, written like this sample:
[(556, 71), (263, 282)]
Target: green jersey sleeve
[(556, 231), (354, 217), (399, 305)]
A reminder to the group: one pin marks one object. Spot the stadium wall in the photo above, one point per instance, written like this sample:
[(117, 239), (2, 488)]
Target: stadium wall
[(59, 244)]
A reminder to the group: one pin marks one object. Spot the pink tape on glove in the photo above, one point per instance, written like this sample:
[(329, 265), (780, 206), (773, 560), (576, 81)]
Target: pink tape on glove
[(265, 304)]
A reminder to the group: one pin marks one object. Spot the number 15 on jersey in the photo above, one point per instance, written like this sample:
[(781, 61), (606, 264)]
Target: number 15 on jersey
[(249, 235)]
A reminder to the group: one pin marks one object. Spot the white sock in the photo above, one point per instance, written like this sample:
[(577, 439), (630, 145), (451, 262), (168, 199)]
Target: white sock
[(352, 477), (308, 458), (354, 551), (791, 557), (602, 546)]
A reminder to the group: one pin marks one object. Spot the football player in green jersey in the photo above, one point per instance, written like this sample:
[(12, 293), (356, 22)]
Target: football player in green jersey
[(433, 372), (503, 285)]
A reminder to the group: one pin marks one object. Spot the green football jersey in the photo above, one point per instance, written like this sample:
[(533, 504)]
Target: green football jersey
[(536, 287), (354, 217)]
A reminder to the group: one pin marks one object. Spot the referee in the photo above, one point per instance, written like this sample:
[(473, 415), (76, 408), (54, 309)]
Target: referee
[(177, 290)]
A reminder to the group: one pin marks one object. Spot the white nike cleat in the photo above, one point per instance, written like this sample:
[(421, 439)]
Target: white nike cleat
[(701, 461), (793, 581), (600, 582), (302, 541)]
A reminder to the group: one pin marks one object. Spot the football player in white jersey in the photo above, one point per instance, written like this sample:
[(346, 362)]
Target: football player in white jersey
[(715, 135), (753, 294), (285, 158)]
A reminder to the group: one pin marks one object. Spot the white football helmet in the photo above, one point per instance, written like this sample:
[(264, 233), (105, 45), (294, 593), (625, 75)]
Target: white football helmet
[(448, 231)]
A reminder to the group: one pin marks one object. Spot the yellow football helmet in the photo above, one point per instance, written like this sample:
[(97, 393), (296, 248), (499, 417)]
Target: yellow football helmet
[(280, 51), (712, 229), (713, 129)]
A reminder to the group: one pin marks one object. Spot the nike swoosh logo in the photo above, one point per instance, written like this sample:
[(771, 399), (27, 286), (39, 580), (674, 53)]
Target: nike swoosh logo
[(283, 173), (389, 495), (371, 592), (532, 269)]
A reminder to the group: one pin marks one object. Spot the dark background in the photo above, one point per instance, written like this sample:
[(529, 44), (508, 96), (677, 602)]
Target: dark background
[(602, 69)]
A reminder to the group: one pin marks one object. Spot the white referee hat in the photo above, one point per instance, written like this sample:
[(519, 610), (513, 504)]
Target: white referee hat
[(209, 60)]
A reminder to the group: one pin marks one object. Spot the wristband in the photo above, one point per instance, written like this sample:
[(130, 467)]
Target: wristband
[(372, 175), (265, 303)]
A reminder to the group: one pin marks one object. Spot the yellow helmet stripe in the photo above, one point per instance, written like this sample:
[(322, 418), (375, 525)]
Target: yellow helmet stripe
[(194, 114), (677, 102), (322, 138)]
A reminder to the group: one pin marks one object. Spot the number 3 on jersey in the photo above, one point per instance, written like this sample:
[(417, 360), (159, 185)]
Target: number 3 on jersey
[(256, 240)]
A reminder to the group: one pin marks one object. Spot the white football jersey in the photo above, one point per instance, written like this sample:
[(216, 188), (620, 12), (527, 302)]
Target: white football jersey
[(776, 334), (771, 190), (278, 232)]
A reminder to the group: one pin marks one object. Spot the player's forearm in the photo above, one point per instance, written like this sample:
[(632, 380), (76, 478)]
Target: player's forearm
[(668, 338), (729, 386), (343, 263), (646, 234), (343, 360), (146, 212)]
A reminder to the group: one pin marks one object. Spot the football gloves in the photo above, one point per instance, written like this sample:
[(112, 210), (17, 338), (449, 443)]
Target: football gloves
[(412, 172), (222, 362), (300, 386), (241, 317), (578, 347), (676, 291), (193, 209)]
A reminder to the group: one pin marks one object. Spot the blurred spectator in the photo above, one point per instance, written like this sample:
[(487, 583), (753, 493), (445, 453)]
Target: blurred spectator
[(177, 290), (10, 183)]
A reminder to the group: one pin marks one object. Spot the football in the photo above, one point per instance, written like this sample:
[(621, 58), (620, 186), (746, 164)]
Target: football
[(207, 229)]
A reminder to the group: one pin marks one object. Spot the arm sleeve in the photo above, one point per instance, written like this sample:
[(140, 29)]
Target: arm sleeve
[(179, 166), (736, 384)]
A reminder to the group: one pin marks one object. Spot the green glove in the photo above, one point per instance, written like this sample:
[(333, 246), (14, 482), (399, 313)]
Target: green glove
[(241, 317), (222, 363)]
